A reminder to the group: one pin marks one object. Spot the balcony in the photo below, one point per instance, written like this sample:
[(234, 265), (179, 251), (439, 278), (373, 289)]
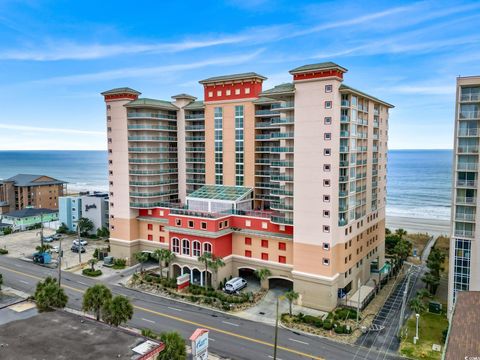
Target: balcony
[(281, 192), (287, 135), (467, 149), (194, 116), (345, 103), (265, 113), (149, 205), (195, 127), (375, 136), (152, 150), (344, 134), (281, 220), (374, 184), (263, 124), (195, 170), (343, 149), (344, 118), (374, 161), (150, 115), (281, 206), (465, 233), (195, 181), (343, 178), (282, 121), (465, 200), (281, 163), (467, 183), (343, 193), (468, 132), (262, 149), (282, 149), (262, 161), (470, 98), (375, 124), (152, 194), (153, 172), (263, 173), (152, 138), (195, 149), (152, 161), (467, 166), (465, 217), (469, 115), (288, 178), (285, 105), (152, 127), (344, 163), (195, 160), (153, 183), (194, 138), (262, 137)]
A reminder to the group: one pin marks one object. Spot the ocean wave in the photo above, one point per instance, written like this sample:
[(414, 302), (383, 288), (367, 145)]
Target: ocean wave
[(423, 212)]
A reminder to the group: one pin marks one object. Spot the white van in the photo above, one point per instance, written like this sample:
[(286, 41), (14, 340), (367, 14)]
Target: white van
[(235, 285)]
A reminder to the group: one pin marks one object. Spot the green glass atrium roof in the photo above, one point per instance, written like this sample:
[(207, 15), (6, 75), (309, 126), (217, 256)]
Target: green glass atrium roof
[(220, 192)]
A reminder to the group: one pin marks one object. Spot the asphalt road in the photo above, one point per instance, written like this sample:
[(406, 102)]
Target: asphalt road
[(230, 337)]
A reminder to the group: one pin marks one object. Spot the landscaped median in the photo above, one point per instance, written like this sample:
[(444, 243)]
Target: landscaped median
[(151, 282)]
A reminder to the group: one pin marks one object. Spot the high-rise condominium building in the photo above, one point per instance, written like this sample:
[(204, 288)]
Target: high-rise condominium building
[(292, 179), (464, 272)]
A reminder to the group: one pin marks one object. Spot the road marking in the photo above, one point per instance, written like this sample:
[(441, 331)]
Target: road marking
[(172, 308), (298, 341), (210, 339), (229, 323), (25, 282), (81, 282), (271, 357), (150, 321), (185, 321)]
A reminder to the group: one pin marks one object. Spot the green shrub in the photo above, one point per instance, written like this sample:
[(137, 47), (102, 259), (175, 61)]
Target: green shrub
[(90, 272), (193, 298), (225, 306), (327, 325), (208, 300), (313, 320), (3, 251), (120, 262), (283, 317)]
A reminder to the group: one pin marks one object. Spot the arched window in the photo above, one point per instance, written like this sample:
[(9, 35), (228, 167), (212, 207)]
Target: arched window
[(176, 245), (196, 248), (185, 247), (207, 247)]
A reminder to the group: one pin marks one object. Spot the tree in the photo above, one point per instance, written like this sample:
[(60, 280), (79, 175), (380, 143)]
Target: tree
[(95, 298), (163, 256), (402, 250), (291, 296), (435, 261), (103, 232), (417, 305), (205, 259), (92, 263), (263, 274), (215, 264), (424, 293), (62, 229), (49, 295), (401, 233), (175, 348), (387, 231), (141, 257), (431, 282), (43, 248), (211, 261), (117, 310), (7, 231), (86, 225)]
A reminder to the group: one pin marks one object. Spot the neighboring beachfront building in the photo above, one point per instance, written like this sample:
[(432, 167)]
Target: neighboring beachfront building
[(25, 218), (292, 179), (464, 271), (27, 190), (92, 206)]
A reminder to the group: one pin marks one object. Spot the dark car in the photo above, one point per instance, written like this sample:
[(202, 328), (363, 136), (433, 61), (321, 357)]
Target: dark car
[(76, 248)]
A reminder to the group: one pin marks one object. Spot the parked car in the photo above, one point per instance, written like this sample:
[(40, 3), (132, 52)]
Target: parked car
[(48, 239), (82, 242), (57, 236), (76, 248), (234, 285), (56, 249)]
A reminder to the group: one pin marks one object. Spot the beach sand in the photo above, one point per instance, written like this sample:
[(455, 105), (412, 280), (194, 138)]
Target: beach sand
[(419, 225)]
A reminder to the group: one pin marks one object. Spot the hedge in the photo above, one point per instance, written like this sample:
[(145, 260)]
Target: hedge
[(90, 272)]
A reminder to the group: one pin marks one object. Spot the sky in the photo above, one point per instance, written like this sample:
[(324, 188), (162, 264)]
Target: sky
[(56, 56)]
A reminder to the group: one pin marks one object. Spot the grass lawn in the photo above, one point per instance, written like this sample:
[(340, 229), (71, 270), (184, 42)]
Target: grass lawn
[(430, 332)]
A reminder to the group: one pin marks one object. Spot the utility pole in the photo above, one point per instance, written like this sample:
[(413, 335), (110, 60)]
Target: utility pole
[(41, 230), (276, 334), (358, 302), (404, 301), (60, 254), (79, 244)]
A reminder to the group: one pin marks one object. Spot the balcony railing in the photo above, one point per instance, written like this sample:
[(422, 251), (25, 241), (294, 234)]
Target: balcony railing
[(466, 183), (152, 161), (282, 135), (467, 149), (281, 220), (281, 163), (285, 105), (153, 183), (153, 172), (465, 233), (194, 138), (152, 194), (281, 178), (344, 149), (281, 192), (345, 103), (344, 118), (284, 121), (468, 132), (195, 160), (466, 200), (195, 127), (464, 217), (195, 149), (262, 137), (265, 112), (344, 133), (152, 138), (470, 97), (152, 150), (152, 127), (469, 115), (281, 206), (144, 114), (194, 116), (281, 149), (344, 163), (195, 171), (467, 166)]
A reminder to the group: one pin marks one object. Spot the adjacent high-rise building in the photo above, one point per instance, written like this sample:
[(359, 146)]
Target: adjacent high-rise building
[(292, 179), (464, 267)]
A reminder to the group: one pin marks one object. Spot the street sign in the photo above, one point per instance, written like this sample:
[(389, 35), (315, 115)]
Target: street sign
[(183, 281), (199, 341)]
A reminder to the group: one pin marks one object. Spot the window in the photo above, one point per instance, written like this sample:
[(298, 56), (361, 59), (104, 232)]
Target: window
[(327, 136), (264, 225), (161, 212), (248, 223), (228, 92), (326, 182), (326, 261), (328, 88), (190, 224), (328, 104), (225, 223), (265, 243), (196, 248), (237, 91), (185, 247), (203, 225), (176, 245), (150, 237), (207, 247), (327, 120), (326, 167), (327, 152), (161, 239), (219, 92), (178, 222), (247, 91), (248, 241), (160, 228), (210, 94), (326, 246), (326, 198), (264, 256), (282, 259), (326, 228), (248, 253), (282, 246), (346, 260), (326, 213), (150, 227)]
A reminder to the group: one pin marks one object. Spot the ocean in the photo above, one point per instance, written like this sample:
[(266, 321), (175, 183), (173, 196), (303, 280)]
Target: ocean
[(419, 181)]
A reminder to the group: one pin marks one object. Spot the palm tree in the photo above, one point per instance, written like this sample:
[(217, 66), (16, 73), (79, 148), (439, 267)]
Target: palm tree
[(141, 257), (205, 258), (431, 282), (86, 225), (175, 348), (116, 311), (215, 264), (401, 233), (95, 298), (92, 263), (43, 248), (49, 295), (417, 305), (163, 255), (263, 274), (168, 257), (291, 297), (212, 261)]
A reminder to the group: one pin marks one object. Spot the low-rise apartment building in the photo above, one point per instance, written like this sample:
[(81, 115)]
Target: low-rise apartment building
[(292, 179), (92, 206)]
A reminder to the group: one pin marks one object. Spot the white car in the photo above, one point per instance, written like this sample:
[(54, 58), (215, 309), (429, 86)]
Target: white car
[(234, 285), (82, 242), (56, 249)]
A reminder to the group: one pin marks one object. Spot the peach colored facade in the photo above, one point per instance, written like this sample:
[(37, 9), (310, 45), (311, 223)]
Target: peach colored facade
[(314, 151)]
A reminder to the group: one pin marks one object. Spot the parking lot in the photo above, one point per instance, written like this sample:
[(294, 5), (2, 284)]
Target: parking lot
[(22, 245)]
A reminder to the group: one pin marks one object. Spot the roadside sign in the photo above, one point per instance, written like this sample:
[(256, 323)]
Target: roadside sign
[(199, 341)]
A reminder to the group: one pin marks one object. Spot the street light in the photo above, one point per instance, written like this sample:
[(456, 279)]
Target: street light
[(79, 245), (276, 329), (416, 329)]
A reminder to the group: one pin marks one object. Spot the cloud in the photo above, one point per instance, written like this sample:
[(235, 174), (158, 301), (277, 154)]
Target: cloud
[(137, 72), (422, 89), (51, 130)]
